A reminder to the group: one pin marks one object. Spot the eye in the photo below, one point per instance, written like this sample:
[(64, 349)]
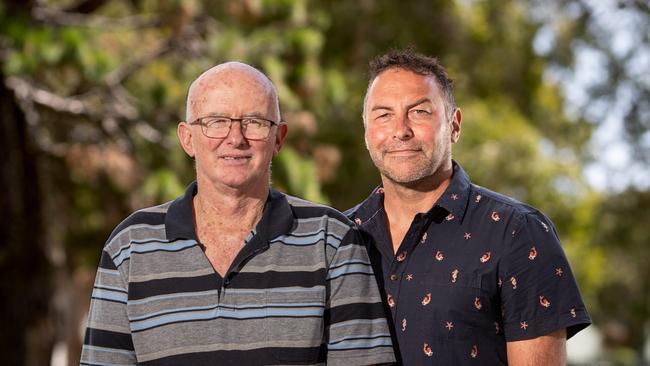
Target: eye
[(419, 114), (254, 122), (383, 117), (217, 121)]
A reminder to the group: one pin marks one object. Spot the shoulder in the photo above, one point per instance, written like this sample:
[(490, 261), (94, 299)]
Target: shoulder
[(503, 204), (304, 209), (144, 223), (525, 221), (351, 213)]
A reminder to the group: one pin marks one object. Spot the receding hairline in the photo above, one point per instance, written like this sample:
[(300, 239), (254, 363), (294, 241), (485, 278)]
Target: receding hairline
[(220, 72)]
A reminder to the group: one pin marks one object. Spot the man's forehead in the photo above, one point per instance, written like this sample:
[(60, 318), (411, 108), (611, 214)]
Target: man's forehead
[(232, 83), (403, 78), (403, 85)]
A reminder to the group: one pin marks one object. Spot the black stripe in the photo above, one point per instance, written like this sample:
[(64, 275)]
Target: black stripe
[(273, 279), (367, 263), (350, 273), (110, 289), (108, 339), (357, 338), (355, 311), (141, 290), (109, 300), (312, 212), (260, 356), (106, 262), (139, 218), (134, 249)]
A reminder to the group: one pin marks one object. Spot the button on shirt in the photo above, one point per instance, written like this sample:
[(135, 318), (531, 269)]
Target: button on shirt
[(477, 270)]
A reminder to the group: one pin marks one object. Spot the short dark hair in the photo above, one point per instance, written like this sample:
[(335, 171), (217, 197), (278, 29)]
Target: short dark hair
[(410, 60)]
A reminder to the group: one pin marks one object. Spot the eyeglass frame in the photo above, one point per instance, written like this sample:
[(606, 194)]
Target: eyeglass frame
[(204, 127)]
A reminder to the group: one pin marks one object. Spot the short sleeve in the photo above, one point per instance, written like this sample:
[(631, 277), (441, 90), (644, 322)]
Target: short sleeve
[(357, 329), (108, 337), (539, 293)]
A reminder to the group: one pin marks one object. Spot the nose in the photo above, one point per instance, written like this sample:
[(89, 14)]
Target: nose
[(235, 136), (403, 129)]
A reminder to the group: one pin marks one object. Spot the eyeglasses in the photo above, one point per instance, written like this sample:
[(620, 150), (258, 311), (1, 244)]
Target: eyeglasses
[(252, 128)]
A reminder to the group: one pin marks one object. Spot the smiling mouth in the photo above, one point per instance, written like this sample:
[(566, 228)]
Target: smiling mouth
[(235, 157), (403, 152)]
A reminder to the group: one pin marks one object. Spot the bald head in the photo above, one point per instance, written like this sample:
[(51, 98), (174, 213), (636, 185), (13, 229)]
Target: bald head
[(230, 75)]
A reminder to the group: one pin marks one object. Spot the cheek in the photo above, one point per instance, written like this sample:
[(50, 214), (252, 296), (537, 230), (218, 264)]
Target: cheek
[(375, 136)]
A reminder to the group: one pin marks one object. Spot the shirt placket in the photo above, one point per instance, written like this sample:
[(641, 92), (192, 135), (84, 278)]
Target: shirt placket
[(401, 264)]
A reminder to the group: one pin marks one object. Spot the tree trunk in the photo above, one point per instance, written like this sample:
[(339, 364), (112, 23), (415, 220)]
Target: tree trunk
[(25, 286)]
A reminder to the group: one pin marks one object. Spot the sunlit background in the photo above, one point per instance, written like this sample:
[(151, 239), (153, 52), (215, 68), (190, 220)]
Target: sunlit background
[(556, 111)]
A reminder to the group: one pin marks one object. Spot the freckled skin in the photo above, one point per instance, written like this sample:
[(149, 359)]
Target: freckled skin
[(232, 90)]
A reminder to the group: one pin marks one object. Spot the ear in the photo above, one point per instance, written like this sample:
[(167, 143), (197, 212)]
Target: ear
[(280, 135), (184, 132), (456, 120)]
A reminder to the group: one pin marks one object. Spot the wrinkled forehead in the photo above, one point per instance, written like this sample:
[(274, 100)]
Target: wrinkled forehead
[(235, 85)]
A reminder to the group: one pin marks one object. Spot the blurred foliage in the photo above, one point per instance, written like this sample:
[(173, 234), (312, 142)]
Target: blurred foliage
[(103, 84)]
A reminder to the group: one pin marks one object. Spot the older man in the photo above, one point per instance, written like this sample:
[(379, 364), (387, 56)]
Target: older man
[(235, 273), (470, 276)]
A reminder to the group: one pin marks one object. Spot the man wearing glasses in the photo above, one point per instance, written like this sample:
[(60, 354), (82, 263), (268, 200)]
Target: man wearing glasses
[(233, 272)]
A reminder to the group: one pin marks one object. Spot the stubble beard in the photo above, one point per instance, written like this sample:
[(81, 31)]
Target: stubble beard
[(421, 168)]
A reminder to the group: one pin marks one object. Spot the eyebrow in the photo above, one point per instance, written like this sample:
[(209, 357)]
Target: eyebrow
[(416, 103), (251, 114)]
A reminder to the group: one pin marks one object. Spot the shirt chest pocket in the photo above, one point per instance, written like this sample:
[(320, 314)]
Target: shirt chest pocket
[(294, 323), (450, 306)]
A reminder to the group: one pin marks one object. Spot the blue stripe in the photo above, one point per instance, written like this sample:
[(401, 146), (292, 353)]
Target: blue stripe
[(111, 272), (348, 323), (362, 343), (147, 247), (109, 350), (349, 269), (299, 240), (227, 313), (111, 288), (173, 296), (369, 337), (351, 261), (308, 239), (102, 294), (228, 307)]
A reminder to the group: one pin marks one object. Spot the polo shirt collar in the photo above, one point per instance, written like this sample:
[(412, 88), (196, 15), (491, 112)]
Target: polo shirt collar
[(277, 218), (454, 200), (179, 221)]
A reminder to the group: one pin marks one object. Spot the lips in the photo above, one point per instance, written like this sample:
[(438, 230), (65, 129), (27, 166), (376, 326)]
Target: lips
[(402, 152), (234, 157)]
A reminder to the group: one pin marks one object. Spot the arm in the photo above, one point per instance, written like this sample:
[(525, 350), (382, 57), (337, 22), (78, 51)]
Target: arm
[(108, 337), (541, 303), (547, 350), (356, 329)]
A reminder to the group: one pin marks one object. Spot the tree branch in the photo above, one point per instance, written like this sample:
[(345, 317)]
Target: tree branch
[(57, 17)]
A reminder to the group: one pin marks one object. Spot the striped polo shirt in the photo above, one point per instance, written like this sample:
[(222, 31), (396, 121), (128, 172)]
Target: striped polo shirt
[(301, 291)]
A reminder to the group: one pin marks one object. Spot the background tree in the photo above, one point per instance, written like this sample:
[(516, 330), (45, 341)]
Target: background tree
[(93, 91)]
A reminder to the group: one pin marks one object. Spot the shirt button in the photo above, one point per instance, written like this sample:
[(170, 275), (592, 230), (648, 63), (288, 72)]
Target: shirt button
[(226, 282), (393, 277)]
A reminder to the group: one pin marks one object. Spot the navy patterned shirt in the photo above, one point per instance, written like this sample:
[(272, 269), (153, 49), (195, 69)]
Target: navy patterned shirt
[(477, 270)]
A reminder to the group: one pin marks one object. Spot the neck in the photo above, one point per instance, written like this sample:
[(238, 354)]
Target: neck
[(222, 203), (404, 201)]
